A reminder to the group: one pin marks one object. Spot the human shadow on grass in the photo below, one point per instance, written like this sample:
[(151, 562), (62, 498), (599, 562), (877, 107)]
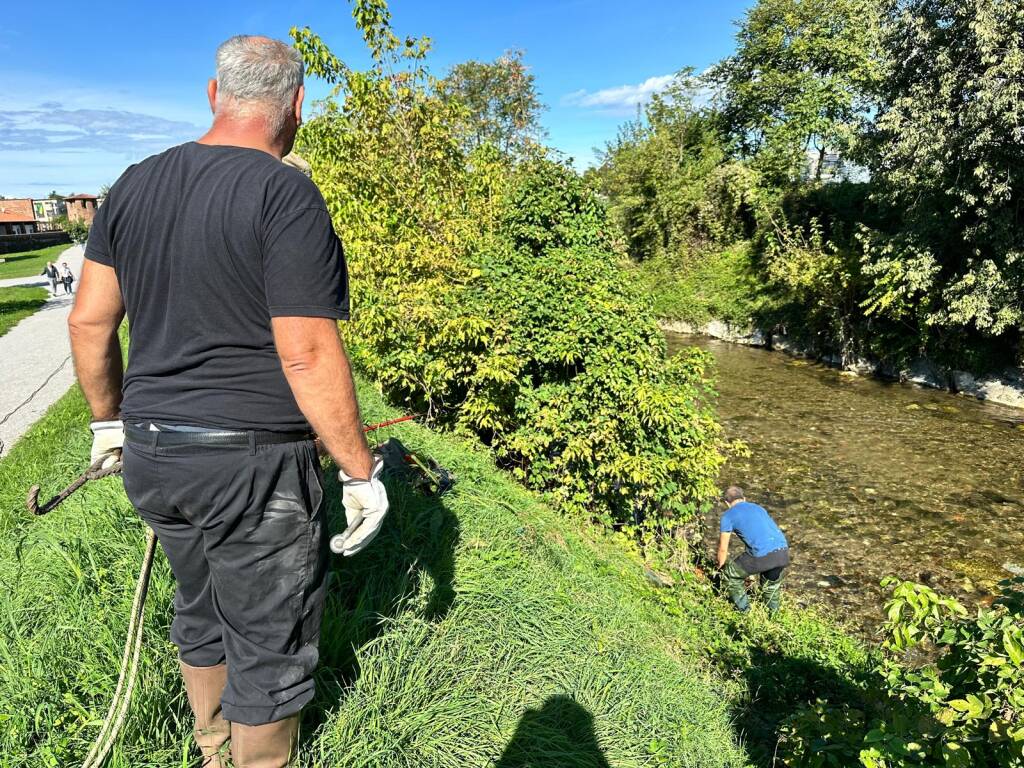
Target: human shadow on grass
[(382, 582), (558, 735)]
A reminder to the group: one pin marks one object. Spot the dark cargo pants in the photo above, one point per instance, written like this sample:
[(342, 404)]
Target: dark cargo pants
[(244, 533)]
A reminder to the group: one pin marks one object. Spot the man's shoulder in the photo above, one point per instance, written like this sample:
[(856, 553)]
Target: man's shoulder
[(288, 190)]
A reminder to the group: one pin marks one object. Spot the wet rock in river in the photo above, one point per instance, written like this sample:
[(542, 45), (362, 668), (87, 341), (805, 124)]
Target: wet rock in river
[(1013, 568), (926, 373)]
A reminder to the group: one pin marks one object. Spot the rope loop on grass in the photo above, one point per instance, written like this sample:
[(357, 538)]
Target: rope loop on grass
[(129, 672)]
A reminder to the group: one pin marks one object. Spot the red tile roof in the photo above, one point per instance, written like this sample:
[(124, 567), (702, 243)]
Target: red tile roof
[(16, 211), (82, 196)]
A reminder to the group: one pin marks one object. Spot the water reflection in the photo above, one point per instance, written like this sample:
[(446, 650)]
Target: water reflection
[(870, 479)]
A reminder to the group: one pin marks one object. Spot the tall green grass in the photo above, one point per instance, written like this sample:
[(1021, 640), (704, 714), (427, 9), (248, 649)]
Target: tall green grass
[(480, 629), (17, 303), (699, 285)]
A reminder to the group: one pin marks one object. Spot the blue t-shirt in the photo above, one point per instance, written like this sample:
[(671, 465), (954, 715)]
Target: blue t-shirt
[(755, 526)]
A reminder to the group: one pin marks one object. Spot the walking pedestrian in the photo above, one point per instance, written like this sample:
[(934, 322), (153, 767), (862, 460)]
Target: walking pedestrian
[(67, 278), (766, 555), (233, 281), (51, 273)]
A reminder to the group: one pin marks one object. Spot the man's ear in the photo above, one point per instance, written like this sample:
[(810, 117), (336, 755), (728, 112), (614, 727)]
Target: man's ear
[(211, 94), (299, 96)]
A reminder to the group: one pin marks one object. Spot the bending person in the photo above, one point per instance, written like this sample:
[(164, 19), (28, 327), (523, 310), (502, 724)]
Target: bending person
[(766, 555)]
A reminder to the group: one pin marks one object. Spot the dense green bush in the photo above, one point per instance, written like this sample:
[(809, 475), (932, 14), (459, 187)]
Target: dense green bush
[(965, 708), (487, 293)]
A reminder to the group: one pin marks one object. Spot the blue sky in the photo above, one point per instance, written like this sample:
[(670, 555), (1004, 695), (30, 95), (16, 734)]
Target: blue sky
[(91, 87)]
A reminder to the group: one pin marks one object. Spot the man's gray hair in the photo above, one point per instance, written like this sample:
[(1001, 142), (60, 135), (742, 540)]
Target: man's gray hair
[(258, 75)]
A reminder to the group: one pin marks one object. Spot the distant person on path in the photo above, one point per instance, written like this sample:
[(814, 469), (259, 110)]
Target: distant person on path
[(767, 552), (50, 270), (67, 277), (226, 263)]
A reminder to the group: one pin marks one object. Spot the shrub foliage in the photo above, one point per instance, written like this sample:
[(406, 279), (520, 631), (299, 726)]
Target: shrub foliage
[(965, 708), (488, 294)]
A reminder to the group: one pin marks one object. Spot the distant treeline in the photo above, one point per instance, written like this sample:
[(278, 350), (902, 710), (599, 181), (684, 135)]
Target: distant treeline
[(852, 173)]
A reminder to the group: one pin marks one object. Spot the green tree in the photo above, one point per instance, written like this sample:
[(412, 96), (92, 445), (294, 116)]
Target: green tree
[(947, 163), (501, 102), (666, 176), (800, 81)]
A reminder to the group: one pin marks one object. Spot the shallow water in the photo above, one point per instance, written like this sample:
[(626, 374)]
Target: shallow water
[(869, 478)]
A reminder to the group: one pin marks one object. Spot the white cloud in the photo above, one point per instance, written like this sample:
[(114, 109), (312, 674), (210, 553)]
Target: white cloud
[(621, 98), (61, 130)]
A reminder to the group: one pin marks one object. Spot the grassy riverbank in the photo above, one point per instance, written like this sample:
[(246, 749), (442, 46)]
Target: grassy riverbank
[(481, 629), (17, 303), (716, 284)]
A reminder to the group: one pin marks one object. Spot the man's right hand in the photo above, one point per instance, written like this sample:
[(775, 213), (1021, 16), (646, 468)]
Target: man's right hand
[(107, 442)]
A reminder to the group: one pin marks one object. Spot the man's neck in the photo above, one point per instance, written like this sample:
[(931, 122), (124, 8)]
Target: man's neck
[(240, 132)]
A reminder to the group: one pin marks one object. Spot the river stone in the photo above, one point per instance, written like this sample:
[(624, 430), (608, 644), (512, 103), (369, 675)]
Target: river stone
[(965, 382), (782, 343), (1016, 570), (925, 373), (861, 366), (1002, 390)]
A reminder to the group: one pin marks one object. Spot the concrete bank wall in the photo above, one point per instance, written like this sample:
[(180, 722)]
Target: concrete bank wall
[(1006, 388)]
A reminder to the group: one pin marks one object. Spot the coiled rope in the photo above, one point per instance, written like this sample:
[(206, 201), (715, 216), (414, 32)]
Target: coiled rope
[(129, 671)]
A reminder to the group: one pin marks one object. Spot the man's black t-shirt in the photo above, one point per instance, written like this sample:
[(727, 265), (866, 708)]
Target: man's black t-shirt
[(209, 243)]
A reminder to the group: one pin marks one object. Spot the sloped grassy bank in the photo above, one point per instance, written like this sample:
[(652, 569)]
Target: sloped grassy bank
[(481, 629)]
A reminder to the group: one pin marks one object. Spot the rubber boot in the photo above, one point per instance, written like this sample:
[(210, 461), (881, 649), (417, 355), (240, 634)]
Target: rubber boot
[(265, 746), (204, 686), (771, 591), (736, 585)]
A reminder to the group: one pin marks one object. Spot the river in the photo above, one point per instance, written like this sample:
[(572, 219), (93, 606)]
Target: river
[(870, 478)]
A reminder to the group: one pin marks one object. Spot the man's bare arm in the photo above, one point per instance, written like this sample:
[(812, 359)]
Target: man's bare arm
[(723, 548), (93, 325), (318, 372)]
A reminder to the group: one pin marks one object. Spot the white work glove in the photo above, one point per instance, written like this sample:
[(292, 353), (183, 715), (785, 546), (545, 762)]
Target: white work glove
[(107, 442), (366, 504)]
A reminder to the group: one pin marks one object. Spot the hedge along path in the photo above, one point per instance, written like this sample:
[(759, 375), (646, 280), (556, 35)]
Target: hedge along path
[(480, 629)]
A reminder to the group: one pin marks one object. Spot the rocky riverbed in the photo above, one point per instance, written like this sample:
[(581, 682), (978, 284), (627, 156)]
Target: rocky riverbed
[(871, 478)]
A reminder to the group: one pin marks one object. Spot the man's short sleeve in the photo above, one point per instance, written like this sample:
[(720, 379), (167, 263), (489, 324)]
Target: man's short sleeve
[(304, 266), (727, 525), (97, 247)]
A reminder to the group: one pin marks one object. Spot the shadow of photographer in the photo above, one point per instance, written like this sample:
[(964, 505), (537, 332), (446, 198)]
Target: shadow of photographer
[(558, 735)]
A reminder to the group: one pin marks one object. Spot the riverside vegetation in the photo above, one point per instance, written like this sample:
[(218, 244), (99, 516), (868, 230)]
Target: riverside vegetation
[(500, 625), (851, 175)]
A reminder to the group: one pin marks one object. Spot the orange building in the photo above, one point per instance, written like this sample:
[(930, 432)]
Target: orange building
[(81, 207), (17, 217)]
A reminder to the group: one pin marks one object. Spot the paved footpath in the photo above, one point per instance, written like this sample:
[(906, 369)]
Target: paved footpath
[(35, 358)]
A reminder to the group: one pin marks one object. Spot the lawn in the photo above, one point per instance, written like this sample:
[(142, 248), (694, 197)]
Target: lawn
[(17, 303), (28, 263), (480, 630)]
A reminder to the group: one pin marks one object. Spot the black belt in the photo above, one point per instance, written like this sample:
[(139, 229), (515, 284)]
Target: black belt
[(249, 439)]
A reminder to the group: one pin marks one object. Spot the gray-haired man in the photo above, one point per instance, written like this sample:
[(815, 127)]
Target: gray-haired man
[(233, 281)]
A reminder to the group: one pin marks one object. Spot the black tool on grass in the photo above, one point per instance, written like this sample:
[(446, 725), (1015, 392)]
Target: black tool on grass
[(94, 472)]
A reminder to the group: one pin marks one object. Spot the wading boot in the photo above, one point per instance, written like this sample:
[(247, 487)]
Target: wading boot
[(265, 746), (736, 585), (204, 686), (771, 591)]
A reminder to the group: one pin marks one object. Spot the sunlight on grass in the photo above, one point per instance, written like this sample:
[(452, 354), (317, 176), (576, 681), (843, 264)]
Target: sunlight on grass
[(17, 303)]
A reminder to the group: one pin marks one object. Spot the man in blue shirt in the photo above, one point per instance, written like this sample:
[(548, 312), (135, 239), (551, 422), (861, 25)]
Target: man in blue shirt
[(767, 550)]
